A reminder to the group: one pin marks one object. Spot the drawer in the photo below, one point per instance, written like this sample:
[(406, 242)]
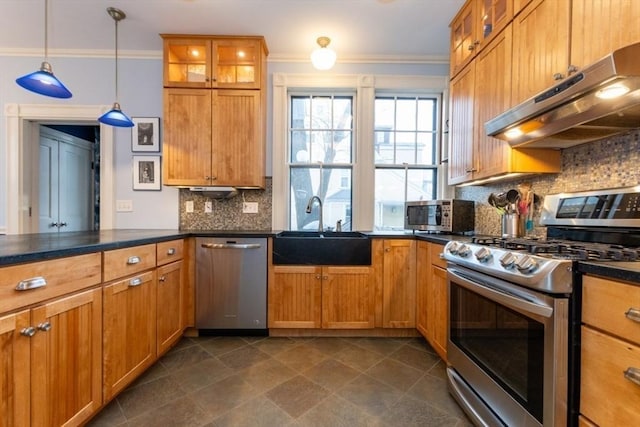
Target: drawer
[(607, 398), (60, 276), (169, 251), (128, 261), (604, 304), (435, 251)]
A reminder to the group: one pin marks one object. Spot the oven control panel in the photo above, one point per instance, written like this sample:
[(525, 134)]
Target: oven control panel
[(609, 208)]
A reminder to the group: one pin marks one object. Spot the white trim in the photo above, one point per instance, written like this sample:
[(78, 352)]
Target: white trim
[(363, 169), (81, 53), (15, 116)]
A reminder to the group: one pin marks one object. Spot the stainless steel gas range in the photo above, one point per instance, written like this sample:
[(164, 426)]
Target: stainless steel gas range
[(514, 308)]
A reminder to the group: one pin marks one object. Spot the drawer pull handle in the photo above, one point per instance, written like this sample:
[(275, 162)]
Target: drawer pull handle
[(34, 283), (133, 260), (135, 282), (44, 326), (633, 375), (171, 251), (633, 314), (28, 332)]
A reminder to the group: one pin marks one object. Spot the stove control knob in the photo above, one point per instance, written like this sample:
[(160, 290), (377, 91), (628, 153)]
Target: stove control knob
[(508, 260), (483, 254), (464, 250), (453, 248), (526, 264)]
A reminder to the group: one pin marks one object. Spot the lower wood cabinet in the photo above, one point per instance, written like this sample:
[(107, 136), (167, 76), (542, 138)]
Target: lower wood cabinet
[(610, 353), (129, 330), (169, 306), (332, 297), (432, 301), (51, 358), (399, 283)]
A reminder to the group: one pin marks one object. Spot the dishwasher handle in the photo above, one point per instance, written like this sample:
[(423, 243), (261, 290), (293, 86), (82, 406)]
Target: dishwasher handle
[(231, 245)]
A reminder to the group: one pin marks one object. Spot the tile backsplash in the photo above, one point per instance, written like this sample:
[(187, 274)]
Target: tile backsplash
[(226, 213), (608, 163)]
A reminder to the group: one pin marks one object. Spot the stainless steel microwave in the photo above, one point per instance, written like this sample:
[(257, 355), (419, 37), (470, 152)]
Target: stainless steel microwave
[(444, 216)]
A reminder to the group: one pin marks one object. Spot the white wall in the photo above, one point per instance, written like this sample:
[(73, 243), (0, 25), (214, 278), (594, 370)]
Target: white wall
[(91, 80)]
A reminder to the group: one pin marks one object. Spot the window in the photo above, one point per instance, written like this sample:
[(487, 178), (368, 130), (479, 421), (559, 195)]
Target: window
[(320, 163), (360, 142), (405, 141)]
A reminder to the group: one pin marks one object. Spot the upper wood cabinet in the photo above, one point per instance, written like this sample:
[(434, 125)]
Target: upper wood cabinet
[(599, 27), (476, 96), (540, 47), (214, 111), (213, 62), (474, 26)]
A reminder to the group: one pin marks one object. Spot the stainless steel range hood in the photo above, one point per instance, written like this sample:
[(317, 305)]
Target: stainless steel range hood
[(579, 109), (216, 192)]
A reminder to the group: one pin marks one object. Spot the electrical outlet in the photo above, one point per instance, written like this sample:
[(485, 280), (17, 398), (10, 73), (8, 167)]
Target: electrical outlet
[(208, 206), (188, 206), (124, 205), (250, 207)]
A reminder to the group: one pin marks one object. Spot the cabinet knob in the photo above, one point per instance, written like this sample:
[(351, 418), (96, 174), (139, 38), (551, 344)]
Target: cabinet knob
[(62, 224), (558, 76), (162, 278), (171, 251), (53, 224), (44, 326), (571, 69), (473, 45), (28, 332), (318, 277), (387, 249)]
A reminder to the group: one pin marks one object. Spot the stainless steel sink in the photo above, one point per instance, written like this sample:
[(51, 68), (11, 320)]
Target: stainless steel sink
[(321, 248)]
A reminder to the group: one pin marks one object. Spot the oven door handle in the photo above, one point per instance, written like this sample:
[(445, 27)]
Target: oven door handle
[(500, 291)]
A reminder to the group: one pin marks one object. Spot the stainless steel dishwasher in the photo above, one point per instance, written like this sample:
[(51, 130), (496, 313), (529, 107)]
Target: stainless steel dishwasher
[(231, 284)]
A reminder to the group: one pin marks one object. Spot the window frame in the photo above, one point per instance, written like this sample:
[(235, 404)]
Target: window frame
[(365, 87)]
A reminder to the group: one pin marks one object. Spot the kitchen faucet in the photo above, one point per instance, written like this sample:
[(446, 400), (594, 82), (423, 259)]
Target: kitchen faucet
[(310, 205)]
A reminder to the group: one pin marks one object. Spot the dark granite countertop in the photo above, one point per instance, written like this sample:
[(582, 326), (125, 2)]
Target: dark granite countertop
[(16, 249)]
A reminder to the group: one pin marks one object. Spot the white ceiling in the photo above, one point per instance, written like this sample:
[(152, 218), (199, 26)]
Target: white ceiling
[(359, 29)]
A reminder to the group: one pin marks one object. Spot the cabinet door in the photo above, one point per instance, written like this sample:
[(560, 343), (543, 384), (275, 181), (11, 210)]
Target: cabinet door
[(437, 309), (598, 27), (169, 311), (492, 17), (187, 62), (399, 284), (492, 97), (237, 63), (238, 148), (540, 47), (295, 297), (66, 360), (463, 37), (461, 130), (129, 336), (186, 144), (348, 298), (14, 370), (423, 276)]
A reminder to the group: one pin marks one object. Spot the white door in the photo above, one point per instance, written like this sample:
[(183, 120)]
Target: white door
[(66, 182)]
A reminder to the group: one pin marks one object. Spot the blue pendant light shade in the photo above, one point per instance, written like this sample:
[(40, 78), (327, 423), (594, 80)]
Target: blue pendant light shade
[(43, 82), (115, 116)]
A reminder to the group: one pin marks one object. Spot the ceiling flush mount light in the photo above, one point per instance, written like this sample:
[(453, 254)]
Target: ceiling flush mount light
[(115, 116), (43, 82), (323, 58)]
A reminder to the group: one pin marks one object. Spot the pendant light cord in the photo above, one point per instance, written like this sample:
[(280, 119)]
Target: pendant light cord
[(117, 98), (46, 27)]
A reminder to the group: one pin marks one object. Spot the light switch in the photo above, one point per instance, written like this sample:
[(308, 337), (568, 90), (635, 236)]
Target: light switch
[(188, 206), (208, 207), (124, 205)]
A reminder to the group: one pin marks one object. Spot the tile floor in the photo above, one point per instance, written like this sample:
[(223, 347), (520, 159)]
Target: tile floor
[(293, 382)]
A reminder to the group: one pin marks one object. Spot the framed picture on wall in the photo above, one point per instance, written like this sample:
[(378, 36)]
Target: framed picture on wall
[(146, 173), (145, 136)]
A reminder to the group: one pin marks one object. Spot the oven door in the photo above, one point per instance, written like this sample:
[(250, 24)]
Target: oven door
[(508, 351)]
